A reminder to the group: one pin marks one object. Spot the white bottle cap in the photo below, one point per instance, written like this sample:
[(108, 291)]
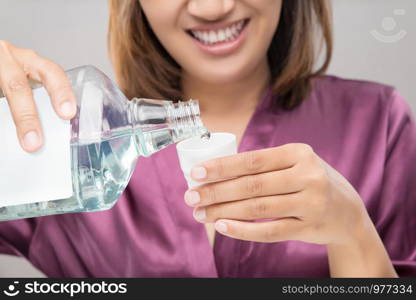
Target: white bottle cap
[(196, 150)]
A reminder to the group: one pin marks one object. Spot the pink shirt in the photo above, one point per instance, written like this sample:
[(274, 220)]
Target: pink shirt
[(364, 130)]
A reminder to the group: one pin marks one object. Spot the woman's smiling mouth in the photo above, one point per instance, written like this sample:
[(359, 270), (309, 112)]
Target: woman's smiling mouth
[(219, 40)]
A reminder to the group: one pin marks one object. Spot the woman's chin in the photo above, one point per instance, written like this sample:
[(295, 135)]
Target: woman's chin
[(221, 78)]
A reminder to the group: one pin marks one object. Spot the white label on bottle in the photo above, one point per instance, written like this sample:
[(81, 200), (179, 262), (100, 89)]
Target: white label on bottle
[(35, 177)]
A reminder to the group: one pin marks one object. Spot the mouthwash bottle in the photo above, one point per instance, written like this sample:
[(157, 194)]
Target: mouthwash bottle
[(108, 134)]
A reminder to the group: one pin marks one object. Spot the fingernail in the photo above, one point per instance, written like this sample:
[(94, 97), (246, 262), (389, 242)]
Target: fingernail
[(200, 214), (220, 226), (31, 140), (68, 109), (199, 172), (192, 197)]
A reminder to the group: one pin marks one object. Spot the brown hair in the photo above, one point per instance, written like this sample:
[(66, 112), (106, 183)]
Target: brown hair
[(144, 68)]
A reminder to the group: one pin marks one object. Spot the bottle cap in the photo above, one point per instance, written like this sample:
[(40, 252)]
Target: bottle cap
[(196, 150)]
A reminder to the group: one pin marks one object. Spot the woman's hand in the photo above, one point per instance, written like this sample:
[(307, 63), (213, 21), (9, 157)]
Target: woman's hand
[(17, 65), (306, 198)]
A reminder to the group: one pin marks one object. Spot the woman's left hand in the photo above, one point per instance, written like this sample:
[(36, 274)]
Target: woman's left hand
[(291, 192)]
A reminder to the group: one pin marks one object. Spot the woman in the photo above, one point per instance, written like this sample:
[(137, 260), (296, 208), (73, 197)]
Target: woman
[(322, 183)]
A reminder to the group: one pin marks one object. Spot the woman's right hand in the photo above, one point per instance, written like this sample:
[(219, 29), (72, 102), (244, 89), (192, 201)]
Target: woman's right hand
[(17, 65)]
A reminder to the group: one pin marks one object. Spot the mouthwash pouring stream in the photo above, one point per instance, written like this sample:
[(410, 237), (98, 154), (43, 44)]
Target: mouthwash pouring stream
[(107, 136)]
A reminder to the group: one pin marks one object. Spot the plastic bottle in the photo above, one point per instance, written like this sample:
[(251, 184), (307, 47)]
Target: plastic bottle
[(108, 134)]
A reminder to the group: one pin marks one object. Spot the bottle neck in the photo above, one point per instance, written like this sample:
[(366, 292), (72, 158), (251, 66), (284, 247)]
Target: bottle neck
[(186, 120), (160, 123)]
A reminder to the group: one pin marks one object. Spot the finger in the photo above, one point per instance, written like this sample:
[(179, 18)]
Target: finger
[(280, 206), (265, 184), (251, 162), (15, 86), (53, 77), (266, 232)]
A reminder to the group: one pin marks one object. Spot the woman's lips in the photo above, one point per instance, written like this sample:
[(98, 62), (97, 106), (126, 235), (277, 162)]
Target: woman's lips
[(220, 41)]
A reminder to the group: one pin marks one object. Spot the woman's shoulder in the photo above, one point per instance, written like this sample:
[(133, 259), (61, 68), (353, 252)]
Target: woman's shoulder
[(352, 91), (353, 94)]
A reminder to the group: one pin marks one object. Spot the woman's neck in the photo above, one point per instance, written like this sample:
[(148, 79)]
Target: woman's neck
[(222, 99)]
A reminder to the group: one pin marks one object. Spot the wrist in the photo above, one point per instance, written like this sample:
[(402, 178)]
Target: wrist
[(361, 254), (357, 238), (357, 227)]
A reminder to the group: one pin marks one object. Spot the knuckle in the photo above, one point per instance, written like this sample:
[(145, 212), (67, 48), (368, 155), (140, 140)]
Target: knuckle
[(16, 85), (315, 204), (253, 185), (220, 167), (257, 208), (25, 117), (318, 179), (253, 161), (49, 66), (304, 151), (269, 235), (317, 227), (212, 194), (57, 68), (44, 64), (214, 212)]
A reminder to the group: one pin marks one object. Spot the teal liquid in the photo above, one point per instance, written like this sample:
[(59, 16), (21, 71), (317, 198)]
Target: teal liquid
[(100, 173)]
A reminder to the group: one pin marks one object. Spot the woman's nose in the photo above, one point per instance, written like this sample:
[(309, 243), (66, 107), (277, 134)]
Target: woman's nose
[(210, 10)]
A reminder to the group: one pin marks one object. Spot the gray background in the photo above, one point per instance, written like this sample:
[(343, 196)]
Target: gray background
[(73, 33)]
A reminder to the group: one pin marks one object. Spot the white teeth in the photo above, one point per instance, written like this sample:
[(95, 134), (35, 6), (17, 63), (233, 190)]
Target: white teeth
[(205, 36), (233, 30), (221, 35), (228, 33), (212, 37)]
